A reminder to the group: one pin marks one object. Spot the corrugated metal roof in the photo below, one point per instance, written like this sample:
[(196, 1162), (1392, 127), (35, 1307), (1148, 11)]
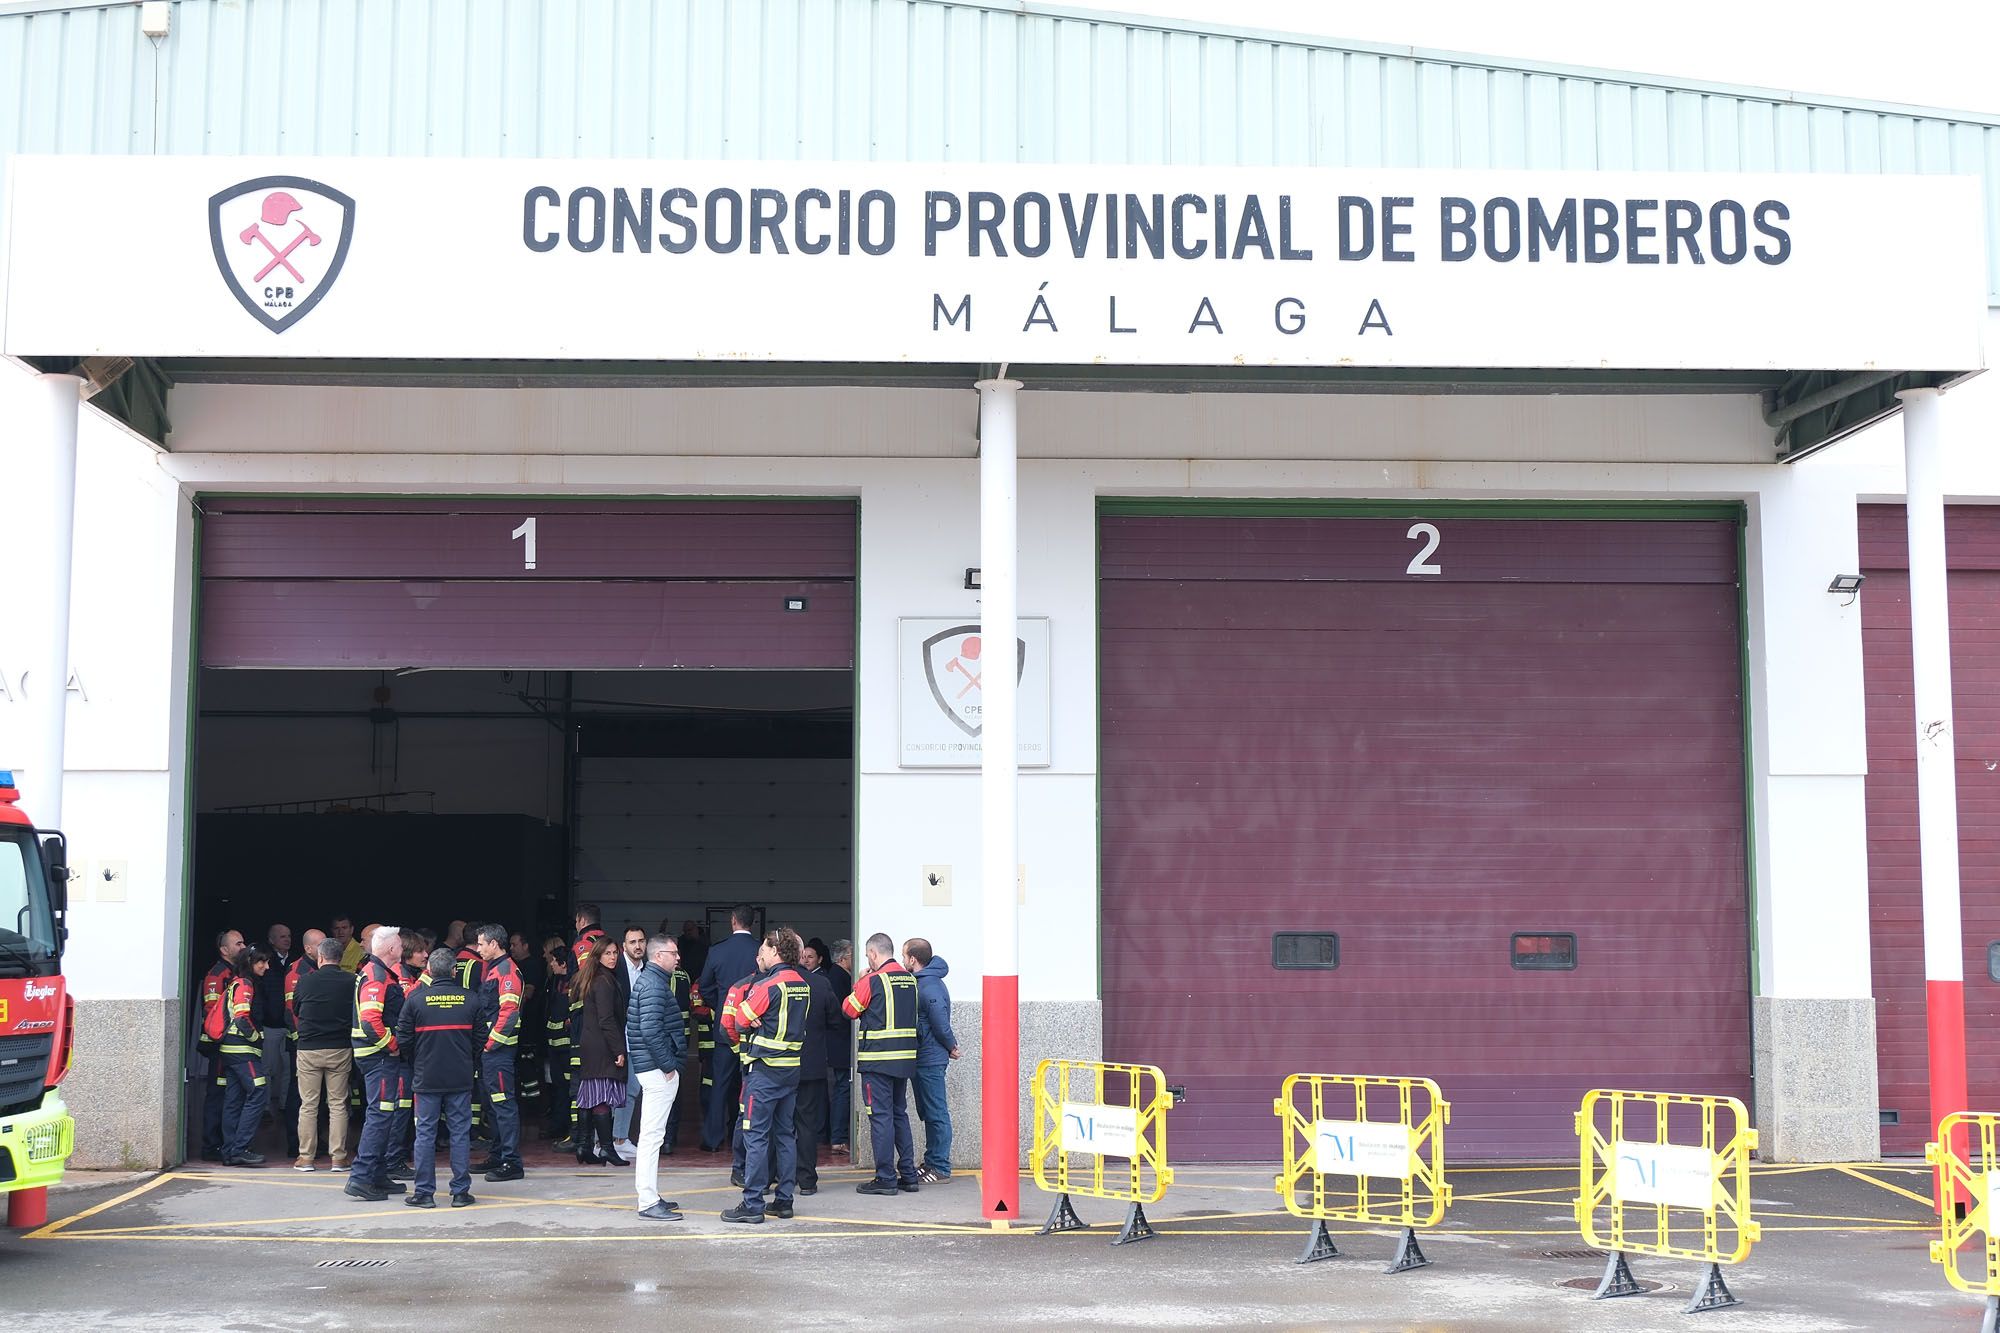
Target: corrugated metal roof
[(902, 80)]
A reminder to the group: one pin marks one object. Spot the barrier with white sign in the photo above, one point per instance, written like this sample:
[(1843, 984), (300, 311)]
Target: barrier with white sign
[(1967, 1153), (1366, 1150), (1101, 1131), (1649, 1160)]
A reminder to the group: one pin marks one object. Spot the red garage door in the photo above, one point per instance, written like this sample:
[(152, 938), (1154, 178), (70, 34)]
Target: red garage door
[(1895, 888), (1426, 740), (534, 585)]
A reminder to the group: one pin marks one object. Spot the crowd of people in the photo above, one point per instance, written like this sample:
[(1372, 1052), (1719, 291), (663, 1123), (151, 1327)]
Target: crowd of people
[(444, 1041)]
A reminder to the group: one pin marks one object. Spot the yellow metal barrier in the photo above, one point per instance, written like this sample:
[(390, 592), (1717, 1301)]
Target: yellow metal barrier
[(1089, 1112), (1334, 1147), (1638, 1164), (1974, 1182)]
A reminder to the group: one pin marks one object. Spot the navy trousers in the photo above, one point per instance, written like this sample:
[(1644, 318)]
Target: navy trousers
[(769, 1104), (381, 1082), (455, 1108), (724, 1087), (885, 1102), (242, 1103), (496, 1075)]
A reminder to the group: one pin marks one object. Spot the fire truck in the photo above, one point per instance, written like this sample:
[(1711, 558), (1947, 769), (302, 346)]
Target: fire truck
[(36, 1013)]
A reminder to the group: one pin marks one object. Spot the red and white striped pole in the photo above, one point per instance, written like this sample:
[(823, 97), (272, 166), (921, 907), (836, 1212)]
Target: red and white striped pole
[(1000, 996), (1937, 780)]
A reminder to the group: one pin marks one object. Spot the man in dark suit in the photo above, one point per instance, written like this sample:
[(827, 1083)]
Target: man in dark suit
[(729, 961)]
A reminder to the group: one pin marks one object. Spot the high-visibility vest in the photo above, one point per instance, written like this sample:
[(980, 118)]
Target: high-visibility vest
[(774, 1012), (241, 1035), (884, 1003)]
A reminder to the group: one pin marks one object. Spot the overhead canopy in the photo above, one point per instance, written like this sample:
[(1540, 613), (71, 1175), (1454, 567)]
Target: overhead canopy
[(1820, 292)]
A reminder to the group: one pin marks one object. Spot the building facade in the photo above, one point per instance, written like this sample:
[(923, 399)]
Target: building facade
[(1481, 720)]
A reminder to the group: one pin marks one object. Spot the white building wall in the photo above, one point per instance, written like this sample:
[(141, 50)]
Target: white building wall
[(910, 456)]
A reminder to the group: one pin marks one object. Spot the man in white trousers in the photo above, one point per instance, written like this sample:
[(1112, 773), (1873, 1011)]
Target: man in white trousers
[(656, 1040)]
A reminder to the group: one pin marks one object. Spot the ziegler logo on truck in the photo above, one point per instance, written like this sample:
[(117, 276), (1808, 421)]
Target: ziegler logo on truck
[(33, 992)]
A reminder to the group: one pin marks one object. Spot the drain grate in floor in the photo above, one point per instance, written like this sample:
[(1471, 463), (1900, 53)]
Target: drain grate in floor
[(354, 1263), (1570, 1254)]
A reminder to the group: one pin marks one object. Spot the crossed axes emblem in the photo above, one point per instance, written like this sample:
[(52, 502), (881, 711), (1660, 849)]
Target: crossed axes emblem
[(278, 209)]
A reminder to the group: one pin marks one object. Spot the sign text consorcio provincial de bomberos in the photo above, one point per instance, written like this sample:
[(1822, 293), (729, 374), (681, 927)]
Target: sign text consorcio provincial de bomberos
[(1132, 226)]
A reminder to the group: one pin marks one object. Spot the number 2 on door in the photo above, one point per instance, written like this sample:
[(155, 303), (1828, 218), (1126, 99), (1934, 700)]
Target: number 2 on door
[(527, 531), (1420, 563)]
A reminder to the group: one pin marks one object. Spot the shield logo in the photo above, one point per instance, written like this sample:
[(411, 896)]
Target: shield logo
[(280, 242), (953, 662)]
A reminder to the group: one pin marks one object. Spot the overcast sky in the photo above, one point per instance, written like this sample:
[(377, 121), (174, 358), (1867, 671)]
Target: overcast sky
[(1936, 53)]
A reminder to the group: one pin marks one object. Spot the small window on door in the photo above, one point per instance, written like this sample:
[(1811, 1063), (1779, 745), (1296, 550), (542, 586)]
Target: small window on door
[(1305, 951), (1544, 952), (1993, 961)]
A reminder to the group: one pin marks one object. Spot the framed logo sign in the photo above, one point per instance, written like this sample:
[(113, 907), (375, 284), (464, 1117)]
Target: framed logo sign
[(942, 666)]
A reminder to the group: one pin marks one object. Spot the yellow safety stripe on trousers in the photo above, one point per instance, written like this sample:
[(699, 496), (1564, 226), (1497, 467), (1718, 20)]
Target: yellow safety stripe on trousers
[(375, 1048), (257, 1082), (496, 1096)]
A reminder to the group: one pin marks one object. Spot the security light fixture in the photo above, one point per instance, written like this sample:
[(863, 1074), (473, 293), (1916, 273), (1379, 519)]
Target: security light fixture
[(1848, 585), (795, 604), (972, 578)]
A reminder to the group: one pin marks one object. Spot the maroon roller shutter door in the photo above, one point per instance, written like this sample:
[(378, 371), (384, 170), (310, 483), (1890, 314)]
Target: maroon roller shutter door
[(447, 583), (1895, 884), (1544, 737)]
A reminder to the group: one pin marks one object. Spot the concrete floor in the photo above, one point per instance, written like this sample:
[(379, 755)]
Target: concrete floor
[(211, 1249)]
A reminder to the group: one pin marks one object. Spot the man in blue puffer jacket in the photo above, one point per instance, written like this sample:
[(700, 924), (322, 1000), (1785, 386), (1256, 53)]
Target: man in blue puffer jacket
[(656, 1039), (937, 1046)]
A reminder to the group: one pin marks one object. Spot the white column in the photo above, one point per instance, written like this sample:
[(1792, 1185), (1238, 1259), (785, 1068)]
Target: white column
[(48, 674), (1000, 1014), (1937, 781)]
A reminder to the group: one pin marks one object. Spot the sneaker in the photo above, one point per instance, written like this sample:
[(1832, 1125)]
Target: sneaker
[(736, 1179), (490, 1164), (839, 1150), (512, 1171), (366, 1193), (930, 1177), (303, 1165), (780, 1208), (742, 1214), (420, 1201), (340, 1164), (463, 1200), (876, 1187), (907, 1186), (661, 1212), (808, 1189), (623, 1147)]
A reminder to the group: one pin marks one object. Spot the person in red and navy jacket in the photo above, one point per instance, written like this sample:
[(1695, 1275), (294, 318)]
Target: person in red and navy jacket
[(438, 1032), (500, 1011), (214, 984), (772, 1020), (378, 1003), (884, 1007), (242, 1045)]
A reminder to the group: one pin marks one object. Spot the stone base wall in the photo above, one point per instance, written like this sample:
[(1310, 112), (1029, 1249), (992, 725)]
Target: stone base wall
[(124, 1086), (1817, 1098)]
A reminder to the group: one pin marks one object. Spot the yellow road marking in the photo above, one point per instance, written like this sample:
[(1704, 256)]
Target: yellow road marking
[(1923, 1199), (56, 1227)]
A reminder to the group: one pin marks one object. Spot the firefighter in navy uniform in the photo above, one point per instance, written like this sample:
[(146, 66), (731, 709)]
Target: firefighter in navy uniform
[(438, 1032), (378, 1003), (773, 1018), (683, 989), (500, 1010), (214, 984), (704, 1046), (558, 1107), (730, 1023), (884, 1005), (242, 1046)]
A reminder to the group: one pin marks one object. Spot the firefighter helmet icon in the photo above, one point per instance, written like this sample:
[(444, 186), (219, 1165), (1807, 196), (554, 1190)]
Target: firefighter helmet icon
[(280, 242), (954, 668)]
